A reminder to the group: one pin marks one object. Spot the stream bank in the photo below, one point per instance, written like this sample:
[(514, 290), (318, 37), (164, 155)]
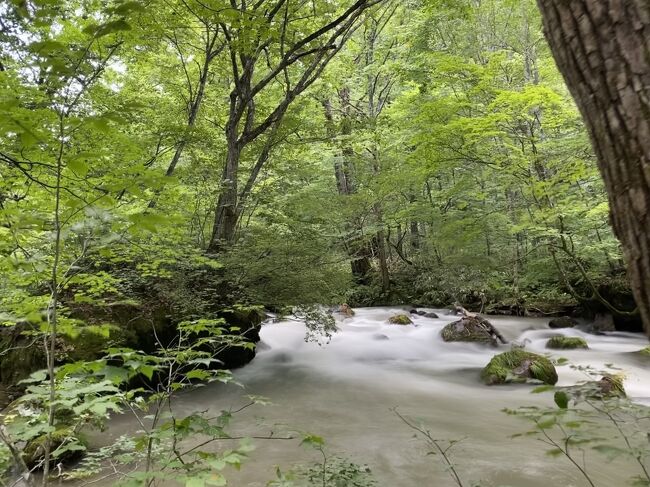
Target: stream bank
[(344, 392)]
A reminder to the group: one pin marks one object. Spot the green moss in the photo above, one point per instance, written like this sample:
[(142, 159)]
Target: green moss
[(20, 354), (400, 320), (561, 342), (67, 446), (644, 351), (243, 317), (468, 329), (518, 366), (612, 386)]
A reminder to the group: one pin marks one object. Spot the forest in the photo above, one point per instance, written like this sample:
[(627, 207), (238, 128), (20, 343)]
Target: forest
[(217, 211)]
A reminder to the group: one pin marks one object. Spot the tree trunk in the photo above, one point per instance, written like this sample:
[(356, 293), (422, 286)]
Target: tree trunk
[(602, 48), (356, 247), (383, 262), (226, 214)]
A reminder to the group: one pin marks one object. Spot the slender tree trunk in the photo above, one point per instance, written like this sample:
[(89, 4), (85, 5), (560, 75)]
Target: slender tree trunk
[(356, 247), (415, 235), (602, 48), (194, 108), (226, 214), (400, 240), (382, 254)]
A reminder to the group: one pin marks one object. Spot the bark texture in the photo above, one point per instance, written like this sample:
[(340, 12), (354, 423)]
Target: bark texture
[(602, 48)]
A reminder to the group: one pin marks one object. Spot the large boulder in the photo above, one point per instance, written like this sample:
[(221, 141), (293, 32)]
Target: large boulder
[(562, 322), (471, 329), (561, 342), (519, 366), (245, 321)]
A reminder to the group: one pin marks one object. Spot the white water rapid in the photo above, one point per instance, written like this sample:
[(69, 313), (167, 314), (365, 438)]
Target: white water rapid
[(343, 391)]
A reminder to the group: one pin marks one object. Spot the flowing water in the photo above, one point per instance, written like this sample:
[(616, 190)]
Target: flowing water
[(344, 391)]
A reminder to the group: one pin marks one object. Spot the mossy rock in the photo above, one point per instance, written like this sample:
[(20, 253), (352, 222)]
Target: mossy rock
[(608, 387), (562, 322), (561, 342), (400, 320), (519, 366), (644, 352), (611, 386), (243, 317), (66, 447), (469, 329), (21, 355)]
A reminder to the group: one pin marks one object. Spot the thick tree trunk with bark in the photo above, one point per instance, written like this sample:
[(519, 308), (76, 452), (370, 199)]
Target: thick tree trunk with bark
[(602, 48)]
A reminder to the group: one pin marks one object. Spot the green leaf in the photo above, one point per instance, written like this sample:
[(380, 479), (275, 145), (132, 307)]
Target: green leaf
[(195, 482), (78, 165), (313, 440), (147, 371), (111, 27), (198, 374), (561, 398)]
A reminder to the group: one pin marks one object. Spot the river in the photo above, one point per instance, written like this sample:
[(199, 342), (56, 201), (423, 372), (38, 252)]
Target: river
[(344, 392)]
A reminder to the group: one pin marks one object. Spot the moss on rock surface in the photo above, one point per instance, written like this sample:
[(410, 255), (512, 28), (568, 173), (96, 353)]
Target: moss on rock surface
[(470, 329), (561, 342), (400, 320), (518, 366), (611, 386), (644, 352), (608, 387), (66, 447)]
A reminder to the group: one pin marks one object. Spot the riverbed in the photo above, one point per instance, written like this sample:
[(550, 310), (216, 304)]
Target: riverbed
[(345, 391)]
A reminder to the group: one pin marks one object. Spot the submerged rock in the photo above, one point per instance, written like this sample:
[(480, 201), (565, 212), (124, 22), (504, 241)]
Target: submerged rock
[(561, 342), (519, 344), (518, 366), (562, 322), (281, 358), (472, 329), (400, 320), (424, 314), (603, 322)]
